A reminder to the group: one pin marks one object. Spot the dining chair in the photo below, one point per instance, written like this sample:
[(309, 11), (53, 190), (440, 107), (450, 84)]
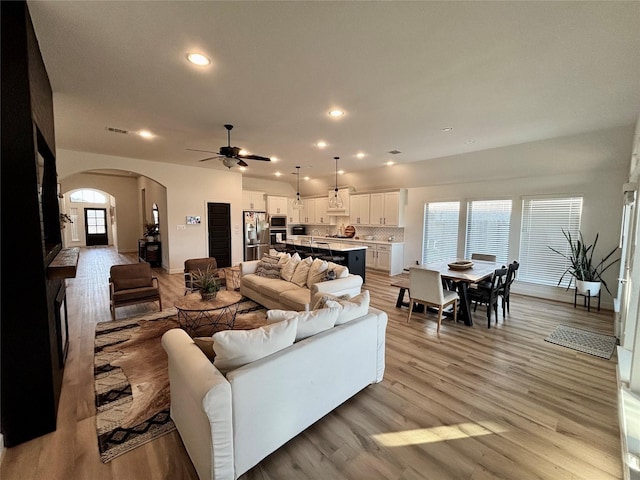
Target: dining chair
[(425, 286), (483, 256), (506, 288), (488, 294)]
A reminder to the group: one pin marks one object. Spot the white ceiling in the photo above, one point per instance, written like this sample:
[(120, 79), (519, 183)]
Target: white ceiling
[(499, 73)]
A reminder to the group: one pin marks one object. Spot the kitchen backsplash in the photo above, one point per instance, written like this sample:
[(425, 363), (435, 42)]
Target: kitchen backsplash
[(378, 233)]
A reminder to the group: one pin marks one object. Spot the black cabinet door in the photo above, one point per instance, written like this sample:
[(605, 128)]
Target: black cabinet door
[(219, 224)]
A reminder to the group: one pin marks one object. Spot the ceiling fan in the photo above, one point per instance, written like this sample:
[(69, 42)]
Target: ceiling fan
[(229, 155)]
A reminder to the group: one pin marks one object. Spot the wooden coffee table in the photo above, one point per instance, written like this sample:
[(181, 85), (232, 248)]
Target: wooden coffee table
[(194, 314)]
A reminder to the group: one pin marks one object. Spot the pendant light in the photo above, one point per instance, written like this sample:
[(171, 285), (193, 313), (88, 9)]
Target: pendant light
[(335, 201), (297, 203)]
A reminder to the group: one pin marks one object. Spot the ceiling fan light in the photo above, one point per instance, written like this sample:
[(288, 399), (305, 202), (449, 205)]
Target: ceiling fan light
[(229, 162)]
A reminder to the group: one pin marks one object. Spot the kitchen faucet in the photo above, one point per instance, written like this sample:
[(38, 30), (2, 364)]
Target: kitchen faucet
[(314, 230)]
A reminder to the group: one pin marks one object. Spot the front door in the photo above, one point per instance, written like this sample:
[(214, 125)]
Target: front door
[(95, 221)]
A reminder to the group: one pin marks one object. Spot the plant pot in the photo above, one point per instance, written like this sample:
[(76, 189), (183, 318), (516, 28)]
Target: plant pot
[(207, 297), (591, 289)]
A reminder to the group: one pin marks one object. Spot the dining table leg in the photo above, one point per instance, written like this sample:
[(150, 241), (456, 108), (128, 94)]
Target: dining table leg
[(465, 305)]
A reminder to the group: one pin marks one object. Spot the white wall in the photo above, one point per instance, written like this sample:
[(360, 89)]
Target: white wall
[(188, 191), (123, 189)]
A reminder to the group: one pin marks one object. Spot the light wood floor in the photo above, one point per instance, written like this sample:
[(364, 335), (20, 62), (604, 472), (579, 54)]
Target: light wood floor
[(470, 403)]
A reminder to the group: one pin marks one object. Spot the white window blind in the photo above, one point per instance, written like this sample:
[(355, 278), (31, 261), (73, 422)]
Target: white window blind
[(543, 220), (440, 236), (488, 224)]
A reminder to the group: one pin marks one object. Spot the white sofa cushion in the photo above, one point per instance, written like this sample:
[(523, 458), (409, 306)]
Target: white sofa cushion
[(302, 272), (235, 348), (309, 323), (350, 309)]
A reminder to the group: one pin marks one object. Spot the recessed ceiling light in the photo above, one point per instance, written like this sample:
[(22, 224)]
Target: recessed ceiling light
[(307, 178), (340, 172), (321, 144), (242, 169), (336, 113), (243, 152), (145, 134), (278, 174), (447, 129), (469, 142), (360, 155), (198, 59), (274, 159), (389, 163)]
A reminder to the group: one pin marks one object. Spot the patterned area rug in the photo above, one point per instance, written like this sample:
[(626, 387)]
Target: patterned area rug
[(131, 378), (583, 341)]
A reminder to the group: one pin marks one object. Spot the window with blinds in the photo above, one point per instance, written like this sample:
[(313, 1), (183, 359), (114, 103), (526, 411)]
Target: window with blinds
[(488, 224), (543, 220), (440, 235)]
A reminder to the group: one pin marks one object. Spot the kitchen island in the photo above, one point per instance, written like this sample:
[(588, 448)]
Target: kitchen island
[(354, 255)]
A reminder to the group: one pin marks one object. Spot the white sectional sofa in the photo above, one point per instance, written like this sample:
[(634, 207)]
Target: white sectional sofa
[(230, 423), (276, 293)]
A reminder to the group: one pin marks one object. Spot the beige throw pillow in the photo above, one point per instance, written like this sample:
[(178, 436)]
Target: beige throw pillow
[(309, 323), (302, 272), (316, 272), (235, 348), (341, 270), (351, 309), (289, 268)]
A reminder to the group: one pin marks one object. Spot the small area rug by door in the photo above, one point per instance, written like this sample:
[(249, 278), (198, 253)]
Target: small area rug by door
[(131, 378), (583, 341)]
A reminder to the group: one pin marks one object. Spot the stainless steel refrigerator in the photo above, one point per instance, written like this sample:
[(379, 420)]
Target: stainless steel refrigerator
[(256, 235)]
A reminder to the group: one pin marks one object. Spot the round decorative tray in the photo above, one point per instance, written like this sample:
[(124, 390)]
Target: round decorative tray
[(349, 231), (460, 264)]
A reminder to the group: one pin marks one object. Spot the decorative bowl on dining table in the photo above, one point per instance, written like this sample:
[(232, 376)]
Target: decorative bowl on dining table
[(460, 265)]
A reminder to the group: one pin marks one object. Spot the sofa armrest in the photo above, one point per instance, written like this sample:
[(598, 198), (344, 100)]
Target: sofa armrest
[(351, 285), (200, 407), (248, 267)]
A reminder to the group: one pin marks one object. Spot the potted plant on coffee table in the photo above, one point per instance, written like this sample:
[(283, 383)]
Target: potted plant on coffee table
[(207, 282), (582, 268)]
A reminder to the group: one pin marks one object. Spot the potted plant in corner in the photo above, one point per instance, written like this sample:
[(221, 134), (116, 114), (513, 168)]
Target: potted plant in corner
[(207, 283), (582, 268)]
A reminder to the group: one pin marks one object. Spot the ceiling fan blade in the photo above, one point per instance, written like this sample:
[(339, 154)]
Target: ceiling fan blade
[(205, 151), (242, 163), (255, 157), (209, 158)]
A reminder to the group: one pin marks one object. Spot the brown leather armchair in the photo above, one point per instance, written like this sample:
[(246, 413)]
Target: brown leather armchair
[(195, 264), (131, 284)]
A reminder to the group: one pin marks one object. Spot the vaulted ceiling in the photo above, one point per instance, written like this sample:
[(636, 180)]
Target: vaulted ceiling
[(428, 79)]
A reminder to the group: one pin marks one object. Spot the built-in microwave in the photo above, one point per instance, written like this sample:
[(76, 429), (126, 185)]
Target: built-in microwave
[(278, 221), (299, 230)]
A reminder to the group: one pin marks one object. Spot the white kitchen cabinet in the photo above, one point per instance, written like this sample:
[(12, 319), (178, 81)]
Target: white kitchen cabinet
[(308, 211), (293, 216), (321, 206), (253, 200), (386, 257), (359, 209), (388, 208), (277, 205)]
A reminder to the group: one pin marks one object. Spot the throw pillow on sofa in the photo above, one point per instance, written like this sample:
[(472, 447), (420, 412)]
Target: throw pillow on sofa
[(302, 272), (235, 348), (289, 268), (268, 266), (317, 272), (322, 301), (350, 309), (340, 270), (309, 323)]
